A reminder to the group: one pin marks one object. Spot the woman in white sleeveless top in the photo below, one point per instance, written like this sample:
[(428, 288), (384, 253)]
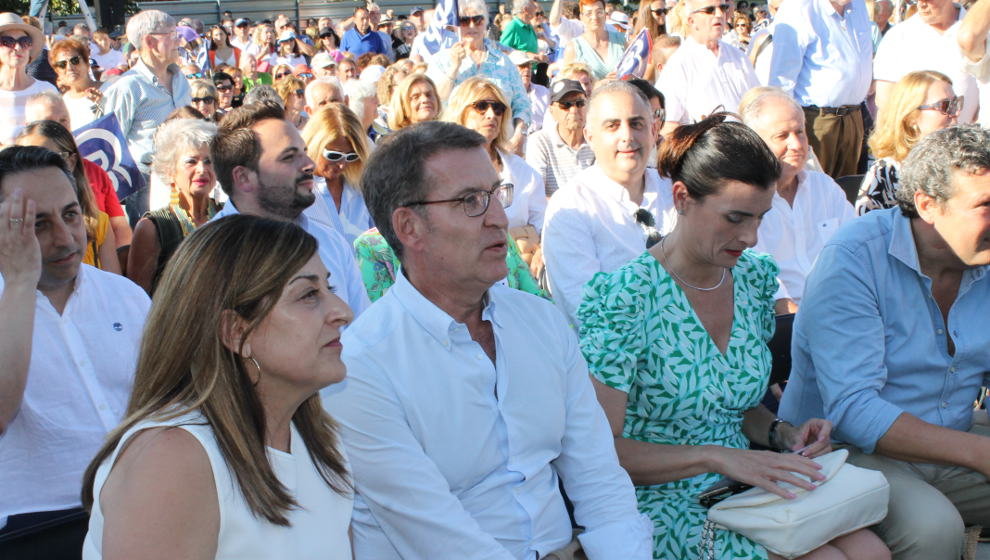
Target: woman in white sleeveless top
[(226, 451)]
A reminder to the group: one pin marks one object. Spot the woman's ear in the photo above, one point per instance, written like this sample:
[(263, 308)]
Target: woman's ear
[(681, 196), (232, 329)]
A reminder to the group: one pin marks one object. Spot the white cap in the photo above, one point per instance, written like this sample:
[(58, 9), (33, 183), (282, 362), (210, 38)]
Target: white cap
[(322, 60), (620, 18)]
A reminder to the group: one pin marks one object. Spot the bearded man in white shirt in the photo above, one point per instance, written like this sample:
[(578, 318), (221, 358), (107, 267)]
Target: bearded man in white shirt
[(69, 337), (467, 403), (612, 211), (808, 207), (705, 74)]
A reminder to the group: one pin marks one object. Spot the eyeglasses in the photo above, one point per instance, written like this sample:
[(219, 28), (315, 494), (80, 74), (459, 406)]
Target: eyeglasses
[(26, 42), (306, 75), (207, 99), (710, 10), (660, 12), (225, 88), (299, 92), (566, 105), (334, 157), (484, 105), (194, 75), (949, 106), (74, 61), (539, 14), (464, 21), (649, 224), (476, 203), (281, 75)]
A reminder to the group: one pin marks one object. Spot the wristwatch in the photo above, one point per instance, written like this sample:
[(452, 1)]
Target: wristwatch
[(772, 434)]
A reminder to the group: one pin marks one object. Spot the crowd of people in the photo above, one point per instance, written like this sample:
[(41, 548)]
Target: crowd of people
[(395, 288)]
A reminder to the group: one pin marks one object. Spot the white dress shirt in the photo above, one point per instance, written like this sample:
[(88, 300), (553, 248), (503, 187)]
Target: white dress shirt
[(539, 100), (794, 235), (456, 457), (529, 201), (820, 57), (694, 81), (350, 220), (591, 227), (914, 45), (78, 383), (337, 255)]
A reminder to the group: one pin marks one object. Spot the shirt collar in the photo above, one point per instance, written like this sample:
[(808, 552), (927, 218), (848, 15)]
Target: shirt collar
[(434, 320), (609, 188), (902, 245), (141, 68)]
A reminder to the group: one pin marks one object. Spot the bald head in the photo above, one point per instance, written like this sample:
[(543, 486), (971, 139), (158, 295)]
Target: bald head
[(320, 93)]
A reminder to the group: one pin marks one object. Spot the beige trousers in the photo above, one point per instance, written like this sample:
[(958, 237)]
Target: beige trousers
[(930, 505)]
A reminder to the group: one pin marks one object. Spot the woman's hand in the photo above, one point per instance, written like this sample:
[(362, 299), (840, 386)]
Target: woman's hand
[(814, 436), (766, 469), (94, 94)]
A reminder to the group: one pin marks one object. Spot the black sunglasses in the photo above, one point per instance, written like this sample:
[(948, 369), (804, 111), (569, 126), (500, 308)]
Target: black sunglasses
[(207, 99), (74, 61), (334, 156), (476, 20), (281, 75), (710, 10), (566, 105), (660, 11), (646, 220), (7, 41), (484, 105)]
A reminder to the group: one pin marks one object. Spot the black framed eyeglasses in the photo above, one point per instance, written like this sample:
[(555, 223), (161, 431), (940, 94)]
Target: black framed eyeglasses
[(207, 99), (475, 203), (74, 61), (334, 156), (482, 106), (566, 105), (25, 42), (660, 11), (949, 106), (477, 21), (649, 224), (710, 10)]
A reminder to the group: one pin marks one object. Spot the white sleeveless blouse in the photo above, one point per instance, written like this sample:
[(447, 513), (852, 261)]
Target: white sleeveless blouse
[(318, 527)]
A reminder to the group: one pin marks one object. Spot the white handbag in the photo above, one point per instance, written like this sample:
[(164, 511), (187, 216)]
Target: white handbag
[(849, 498)]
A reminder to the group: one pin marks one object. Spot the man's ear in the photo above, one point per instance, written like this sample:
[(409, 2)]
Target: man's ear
[(232, 329), (926, 206), (244, 178), (409, 227)]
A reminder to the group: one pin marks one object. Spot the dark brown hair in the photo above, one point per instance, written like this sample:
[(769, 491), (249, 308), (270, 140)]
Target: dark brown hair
[(236, 144)]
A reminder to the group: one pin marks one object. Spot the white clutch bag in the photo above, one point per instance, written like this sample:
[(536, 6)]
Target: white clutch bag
[(849, 498)]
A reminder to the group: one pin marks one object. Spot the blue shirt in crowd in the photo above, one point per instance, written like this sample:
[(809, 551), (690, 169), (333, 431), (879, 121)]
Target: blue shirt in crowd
[(357, 43), (870, 342)]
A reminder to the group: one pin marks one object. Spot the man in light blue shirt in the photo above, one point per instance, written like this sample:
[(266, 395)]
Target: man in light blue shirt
[(261, 163), (892, 344), (467, 404), (822, 55)]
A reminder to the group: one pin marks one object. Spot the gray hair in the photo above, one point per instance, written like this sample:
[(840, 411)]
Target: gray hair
[(312, 87), (263, 94), (755, 100), (48, 96), (396, 175), (147, 22), (356, 92), (174, 137), (929, 166), (478, 6), (518, 6)]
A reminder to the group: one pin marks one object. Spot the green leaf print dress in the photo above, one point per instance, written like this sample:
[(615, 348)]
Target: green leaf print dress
[(641, 336)]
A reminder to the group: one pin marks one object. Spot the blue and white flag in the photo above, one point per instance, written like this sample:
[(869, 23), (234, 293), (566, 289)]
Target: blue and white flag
[(437, 36), (637, 56), (103, 143)]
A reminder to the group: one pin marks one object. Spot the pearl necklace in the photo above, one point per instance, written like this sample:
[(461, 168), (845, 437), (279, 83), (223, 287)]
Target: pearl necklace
[(663, 251)]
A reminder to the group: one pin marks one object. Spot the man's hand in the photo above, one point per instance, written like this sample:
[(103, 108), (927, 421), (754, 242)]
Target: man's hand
[(20, 253), (814, 436)]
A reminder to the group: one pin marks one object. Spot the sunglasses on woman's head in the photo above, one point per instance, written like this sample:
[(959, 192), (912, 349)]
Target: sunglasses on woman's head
[(7, 41), (482, 107), (476, 20), (74, 61), (333, 156), (659, 11), (207, 99), (949, 106)]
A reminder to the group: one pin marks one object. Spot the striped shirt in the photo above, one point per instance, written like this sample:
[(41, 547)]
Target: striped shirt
[(12, 109), (555, 159), (141, 104)]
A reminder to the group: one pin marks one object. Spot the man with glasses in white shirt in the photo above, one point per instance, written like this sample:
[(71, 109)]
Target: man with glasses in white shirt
[(705, 74), (69, 338), (468, 404)]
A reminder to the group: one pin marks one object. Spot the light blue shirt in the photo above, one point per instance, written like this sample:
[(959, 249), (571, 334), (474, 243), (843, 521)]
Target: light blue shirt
[(454, 456), (141, 103), (350, 220), (820, 57), (870, 343), (496, 67), (337, 256)]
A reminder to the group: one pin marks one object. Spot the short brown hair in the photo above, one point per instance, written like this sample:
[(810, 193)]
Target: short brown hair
[(236, 144), (70, 46)]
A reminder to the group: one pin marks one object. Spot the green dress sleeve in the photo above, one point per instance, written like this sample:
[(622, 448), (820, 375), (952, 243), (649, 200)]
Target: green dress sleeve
[(519, 276), (377, 263)]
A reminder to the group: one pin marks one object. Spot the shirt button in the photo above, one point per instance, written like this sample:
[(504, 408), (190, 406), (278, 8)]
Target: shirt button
[(945, 404), (952, 369), (939, 331)]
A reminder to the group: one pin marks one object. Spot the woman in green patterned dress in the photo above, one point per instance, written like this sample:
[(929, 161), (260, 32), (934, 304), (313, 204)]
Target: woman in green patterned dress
[(676, 342)]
